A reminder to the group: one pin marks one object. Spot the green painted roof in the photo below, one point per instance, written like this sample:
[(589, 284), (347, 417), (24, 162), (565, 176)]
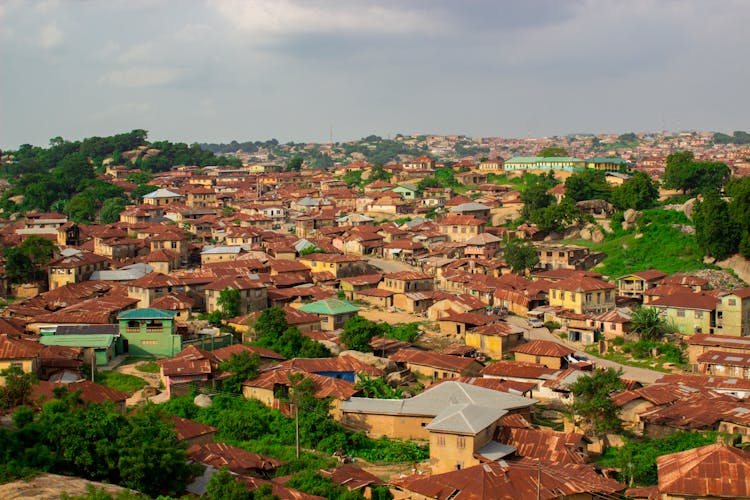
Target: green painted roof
[(329, 306), (147, 313), (602, 159), (544, 159), (96, 341)]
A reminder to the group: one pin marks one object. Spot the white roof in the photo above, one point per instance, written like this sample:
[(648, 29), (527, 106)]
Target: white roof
[(161, 193), (469, 207), (207, 250)]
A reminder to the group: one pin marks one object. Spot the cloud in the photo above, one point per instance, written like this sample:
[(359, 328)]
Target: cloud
[(51, 36), (281, 17), (139, 76)]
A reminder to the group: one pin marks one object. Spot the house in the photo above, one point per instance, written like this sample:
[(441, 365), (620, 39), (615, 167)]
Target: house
[(407, 191), (191, 432), (543, 352), (353, 284), (272, 388), (543, 443), (211, 254), (582, 295), (266, 356), (432, 366), (99, 348), (334, 313), (523, 479), (74, 267), (23, 354), (461, 228), (712, 471), (482, 246), (341, 266), (161, 197), (253, 294), (471, 178), (555, 256), (733, 313), (701, 343), (633, 402), (611, 324), (189, 368), (407, 281), (461, 303), (458, 323), (410, 418), (492, 166), (341, 367), (724, 364), (376, 297), (352, 478), (90, 392), (177, 302), (690, 312), (634, 284), (471, 208), (418, 302), (495, 339), (237, 460), (149, 332)]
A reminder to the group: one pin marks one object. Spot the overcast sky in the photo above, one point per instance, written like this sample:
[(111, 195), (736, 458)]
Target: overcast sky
[(213, 71)]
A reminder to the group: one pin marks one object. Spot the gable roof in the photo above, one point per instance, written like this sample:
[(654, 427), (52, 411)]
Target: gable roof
[(146, 313), (329, 306), (543, 348), (716, 470), (236, 459)]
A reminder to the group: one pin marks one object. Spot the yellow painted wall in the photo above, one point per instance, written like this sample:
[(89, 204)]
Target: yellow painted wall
[(548, 361), (376, 426)]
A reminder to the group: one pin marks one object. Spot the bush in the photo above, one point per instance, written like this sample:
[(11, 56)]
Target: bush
[(618, 341), (150, 367), (552, 325)]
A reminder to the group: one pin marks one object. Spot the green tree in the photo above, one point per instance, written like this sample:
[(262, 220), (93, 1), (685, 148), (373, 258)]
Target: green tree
[(534, 193), (639, 192), (39, 250), (18, 267), (225, 486), (521, 255), (271, 323), (553, 152), (111, 209), (243, 366), (358, 332), (588, 185), (683, 173), (229, 301), (17, 387), (649, 324), (378, 173), (151, 459), (376, 387), (715, 231), (678, 171), (294, 164), (353, 178), (592, 405), (81, 208)]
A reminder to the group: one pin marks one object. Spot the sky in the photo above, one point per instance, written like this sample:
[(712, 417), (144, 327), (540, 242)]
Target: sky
[(297, 70)]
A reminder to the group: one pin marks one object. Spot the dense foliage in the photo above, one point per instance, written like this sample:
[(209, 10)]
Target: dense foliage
[(637, 459), (592, 405), (359, 331), (97, 442), (521, 255), (689, 176), (715, 231), (638, 192), (274, 333), (588, 184), (242, 366), (649, 324)]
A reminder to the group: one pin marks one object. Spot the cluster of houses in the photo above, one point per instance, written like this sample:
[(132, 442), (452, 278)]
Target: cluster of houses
[(308, 244)]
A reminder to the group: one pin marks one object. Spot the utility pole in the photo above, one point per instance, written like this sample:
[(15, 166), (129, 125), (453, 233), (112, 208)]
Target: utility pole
[(296, 423)]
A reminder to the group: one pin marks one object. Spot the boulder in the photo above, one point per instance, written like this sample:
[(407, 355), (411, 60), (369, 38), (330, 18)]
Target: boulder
[(631, 215), (332, 346), (384, 364), (597, 235), (202, 401)]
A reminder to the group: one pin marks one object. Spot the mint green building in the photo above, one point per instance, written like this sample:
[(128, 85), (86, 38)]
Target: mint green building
[(103, 345), (564, 163), (334, 313), (408, 191), (149, 332)]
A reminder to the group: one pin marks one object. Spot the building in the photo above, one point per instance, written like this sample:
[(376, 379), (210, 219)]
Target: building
[(407, 281), (552, 256), (341, 266), (149, 332), (733, 313), (16, 353), (690, 312), (543, 352), (74, 267), (432, 367), (582, 295), (635, 284), (334, 313), (526, 163), (461, 228), (494, 340)]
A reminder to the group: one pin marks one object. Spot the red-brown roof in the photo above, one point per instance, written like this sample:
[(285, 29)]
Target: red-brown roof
[(518, 369), (546, 444), (189, 429), (337, 364), (432, 359), (716, 470), (687, 300), (225, 353), (543, 348), (324, 386), (725, 358), (408, 276), (580, 283), (91, 392), (11, 348), (235, 459)]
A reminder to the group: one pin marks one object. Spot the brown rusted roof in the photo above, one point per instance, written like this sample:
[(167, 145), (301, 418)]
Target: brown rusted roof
[(546, 444), (11, 348), (337, 364), (189, 429), (351, 477), (702, 411), (91, 392), (235, 459), (408, 276), (432, 359), (656, 394), (225, 353), (723, 341), (581, 283), (364, 279), (724, 358), (686, 300), (324, 386), (511, 481), (543, 348), (716, 470), (518, 369), (278, 490), (498, 384), (473, 319)]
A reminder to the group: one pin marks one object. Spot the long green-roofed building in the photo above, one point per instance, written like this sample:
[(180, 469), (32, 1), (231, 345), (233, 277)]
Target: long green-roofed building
[(103, 345), (334, 313)]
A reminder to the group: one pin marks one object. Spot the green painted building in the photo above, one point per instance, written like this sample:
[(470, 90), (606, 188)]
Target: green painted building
[(608, 164), (149, 332), (334, 313), (567, 164), (408, 191), (103, 345)]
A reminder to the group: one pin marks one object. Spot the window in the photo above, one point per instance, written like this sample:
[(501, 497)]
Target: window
[(461, 442), (588, 297), (149, 342), (731, 302), (554, 294), (561, 254), (441, 440), (680, 313), (698, 314)]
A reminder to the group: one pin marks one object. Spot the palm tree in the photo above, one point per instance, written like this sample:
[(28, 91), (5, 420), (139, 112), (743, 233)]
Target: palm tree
[(649, 324)]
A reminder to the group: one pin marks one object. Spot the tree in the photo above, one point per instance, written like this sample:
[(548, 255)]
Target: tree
[(353, 178), (715, 231), (638, 192), (225, 486), (17, 387), (592, 403), (358, 332), (689, 176), (229, 301), (553, 152), (649, 324), (242, 366), (378, 173), (81, 208), (151, 459), (39, 250), (521, 255), (294, 164), (534, 194), (111, 209), (588, 185), (271, 323), (678, 170), (376, 387)]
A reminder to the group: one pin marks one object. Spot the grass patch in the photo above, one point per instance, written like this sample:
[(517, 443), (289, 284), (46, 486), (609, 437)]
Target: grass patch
[(639, 354), (131, 360), (662, 246), (149, 367), (120, 381)]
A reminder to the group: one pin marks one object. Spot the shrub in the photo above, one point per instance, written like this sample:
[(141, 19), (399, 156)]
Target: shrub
[(552, 325)]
